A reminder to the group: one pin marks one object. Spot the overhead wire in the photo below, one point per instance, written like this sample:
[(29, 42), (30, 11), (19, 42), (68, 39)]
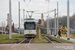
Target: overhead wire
[(26, 4), (45, 12)]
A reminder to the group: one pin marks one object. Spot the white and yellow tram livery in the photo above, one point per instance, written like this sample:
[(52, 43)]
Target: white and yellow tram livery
[(30, 28)]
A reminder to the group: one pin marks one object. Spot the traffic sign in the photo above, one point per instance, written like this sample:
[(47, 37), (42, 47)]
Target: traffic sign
[(39, 21)]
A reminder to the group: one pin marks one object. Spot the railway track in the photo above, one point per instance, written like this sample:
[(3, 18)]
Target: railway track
[(51, 40), (27, 40)]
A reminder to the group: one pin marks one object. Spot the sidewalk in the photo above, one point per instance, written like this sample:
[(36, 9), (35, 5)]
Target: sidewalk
[(14, 33), (72, 40), (65, 38)]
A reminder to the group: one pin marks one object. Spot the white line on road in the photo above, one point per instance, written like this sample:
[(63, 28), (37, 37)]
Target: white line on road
[(14, 47), (27, 46)]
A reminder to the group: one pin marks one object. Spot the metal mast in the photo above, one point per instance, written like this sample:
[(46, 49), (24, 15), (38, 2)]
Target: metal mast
[(57, 19), (19, 18), (10, 37), (48, 19), (68, 38)]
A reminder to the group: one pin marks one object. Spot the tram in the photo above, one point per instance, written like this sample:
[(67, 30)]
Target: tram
[(30, 28)]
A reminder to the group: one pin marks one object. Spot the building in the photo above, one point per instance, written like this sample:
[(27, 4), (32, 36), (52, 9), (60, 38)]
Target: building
[(8, 19), (42, 20)]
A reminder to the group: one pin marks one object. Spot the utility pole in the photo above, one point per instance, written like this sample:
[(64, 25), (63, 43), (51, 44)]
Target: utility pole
[(23, 13), (48, 32), (73, 23), (47, 25), (55, 20), (19, 18), (39, 29), (68, 38), (10, 37), (26, 16), (2, 27)]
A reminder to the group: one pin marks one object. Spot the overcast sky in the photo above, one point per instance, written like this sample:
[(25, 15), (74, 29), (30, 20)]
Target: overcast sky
[(35, 5)]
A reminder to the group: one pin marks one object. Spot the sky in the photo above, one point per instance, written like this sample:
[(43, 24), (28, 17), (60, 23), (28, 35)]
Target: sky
[(38, 6)]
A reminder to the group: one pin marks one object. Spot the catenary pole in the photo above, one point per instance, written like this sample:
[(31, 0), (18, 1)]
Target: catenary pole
[(55, 20), (2, 27), (48, 32), (19, 18), (23, 14), (68, 38), (10, 37)]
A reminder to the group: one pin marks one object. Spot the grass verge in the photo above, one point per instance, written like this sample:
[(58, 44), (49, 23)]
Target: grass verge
[(36, 40), (5, 38), (62, 40)]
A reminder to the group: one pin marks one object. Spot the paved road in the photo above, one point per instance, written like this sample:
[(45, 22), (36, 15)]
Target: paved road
[(41, 46)]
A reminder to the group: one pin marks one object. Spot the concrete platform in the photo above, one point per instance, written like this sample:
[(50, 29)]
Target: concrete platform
[(72, 40), (65, 38)]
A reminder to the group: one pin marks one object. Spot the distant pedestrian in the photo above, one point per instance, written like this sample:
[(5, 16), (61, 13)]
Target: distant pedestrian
[(8, 31), (59, 33)]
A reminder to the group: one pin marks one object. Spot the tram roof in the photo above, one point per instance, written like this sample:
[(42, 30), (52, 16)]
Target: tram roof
[(29, 19)]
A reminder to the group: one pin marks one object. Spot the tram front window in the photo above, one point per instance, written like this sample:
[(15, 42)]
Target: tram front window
[(30, 27)]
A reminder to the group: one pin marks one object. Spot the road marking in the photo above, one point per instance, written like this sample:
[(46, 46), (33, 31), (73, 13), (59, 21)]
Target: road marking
[(14, 47), (27, 45)]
